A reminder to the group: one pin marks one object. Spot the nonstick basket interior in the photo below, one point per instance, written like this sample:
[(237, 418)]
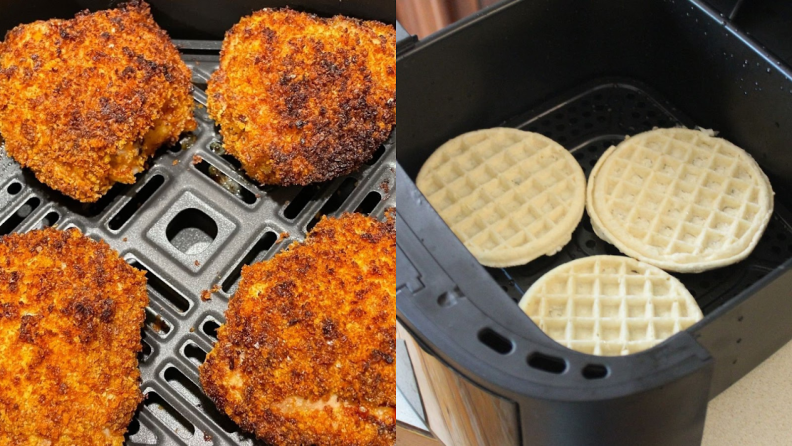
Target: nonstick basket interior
[(191, 221), (588, 121)]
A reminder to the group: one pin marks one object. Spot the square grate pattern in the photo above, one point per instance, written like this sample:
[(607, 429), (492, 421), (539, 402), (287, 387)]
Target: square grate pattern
[(191, 221)]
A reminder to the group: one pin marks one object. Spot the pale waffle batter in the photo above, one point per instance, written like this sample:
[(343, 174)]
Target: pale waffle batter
[(509, 195), (610, 305), (679, 199)]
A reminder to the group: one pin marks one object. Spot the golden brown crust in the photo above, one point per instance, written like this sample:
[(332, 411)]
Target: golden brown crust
[(315, 321), (75, 95), (302, 99), (70, 317)]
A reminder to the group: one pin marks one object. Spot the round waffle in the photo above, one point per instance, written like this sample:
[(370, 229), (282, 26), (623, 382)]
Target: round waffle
[(679, 199), (509, 195), (609, 305)]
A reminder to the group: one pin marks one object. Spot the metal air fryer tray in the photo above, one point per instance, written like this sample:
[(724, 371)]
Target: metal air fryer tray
[(191, 221)]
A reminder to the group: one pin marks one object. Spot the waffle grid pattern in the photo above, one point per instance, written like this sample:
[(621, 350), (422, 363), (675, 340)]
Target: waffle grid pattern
[(509, 195), (610, 305), (676, 198)]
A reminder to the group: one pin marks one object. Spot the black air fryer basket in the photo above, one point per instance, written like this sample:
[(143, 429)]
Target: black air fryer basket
[(587, 73), (193, 219)]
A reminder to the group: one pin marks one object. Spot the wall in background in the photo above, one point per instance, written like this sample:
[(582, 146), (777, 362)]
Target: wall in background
[(423, 17)]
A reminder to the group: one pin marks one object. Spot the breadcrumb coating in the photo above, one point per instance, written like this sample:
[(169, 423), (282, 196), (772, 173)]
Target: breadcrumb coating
[(85, 102), (307, 355), (70, 317), (302, 99)]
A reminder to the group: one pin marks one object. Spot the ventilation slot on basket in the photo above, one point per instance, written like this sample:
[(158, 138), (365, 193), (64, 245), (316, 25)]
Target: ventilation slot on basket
[(546, 363), (93, 209), (14, 188), (231, 185), (132, 206), (183, 385), (335, 201), (169, 416), (185, 143), (369, 203), (133, 428), (50, 219), (20, 215), (196, 397), (164, 292), (145, 353), (202, 85), (301, 201), (377, 155), (157, 323), (194, 353), (255, 254), (210, 327), (217, 148), (495, 341), (191, 231), (138, 433), (595, 371)]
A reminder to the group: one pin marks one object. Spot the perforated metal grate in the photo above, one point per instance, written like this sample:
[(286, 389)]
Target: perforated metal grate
[(588, 122), (192, 221)]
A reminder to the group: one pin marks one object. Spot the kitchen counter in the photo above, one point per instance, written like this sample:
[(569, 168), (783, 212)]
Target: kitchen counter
[(756, 410)]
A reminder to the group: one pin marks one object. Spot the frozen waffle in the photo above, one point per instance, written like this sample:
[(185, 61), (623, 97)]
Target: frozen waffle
[(609, 305), (679, 199), (509, 195)]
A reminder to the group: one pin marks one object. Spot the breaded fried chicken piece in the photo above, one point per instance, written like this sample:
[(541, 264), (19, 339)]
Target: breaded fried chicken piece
[(302, 99), (70, 317), (85, 102), (307, 352)]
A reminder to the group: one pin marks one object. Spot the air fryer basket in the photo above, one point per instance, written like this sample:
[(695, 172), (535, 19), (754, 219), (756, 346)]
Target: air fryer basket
[(586, 74), (192, 220)]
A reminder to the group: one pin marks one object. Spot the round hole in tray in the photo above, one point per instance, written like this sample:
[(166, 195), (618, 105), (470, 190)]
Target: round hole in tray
[(547, 363), (594, 371), (14, 188), (191, 231), (495, 341)]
